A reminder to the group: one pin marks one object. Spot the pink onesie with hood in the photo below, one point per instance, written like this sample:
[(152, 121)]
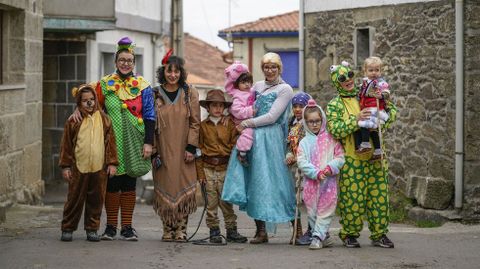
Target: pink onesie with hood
[(242, 103)]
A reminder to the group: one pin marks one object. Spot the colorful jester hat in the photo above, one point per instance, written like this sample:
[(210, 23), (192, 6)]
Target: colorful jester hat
[(341, 73), (126, 44)]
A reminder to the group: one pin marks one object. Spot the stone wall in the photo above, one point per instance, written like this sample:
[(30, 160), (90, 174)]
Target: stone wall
[(472, 109), (21, 103), (64, 63), (417, 44)]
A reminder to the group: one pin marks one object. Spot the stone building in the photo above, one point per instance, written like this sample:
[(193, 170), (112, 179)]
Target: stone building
[(79, 46), (416, 40), (20, 102), (278, 34)]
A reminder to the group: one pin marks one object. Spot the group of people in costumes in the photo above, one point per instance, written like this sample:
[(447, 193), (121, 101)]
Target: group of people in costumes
[(254, 157)]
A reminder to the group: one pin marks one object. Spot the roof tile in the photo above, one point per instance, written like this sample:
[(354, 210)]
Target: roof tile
[(287, 22), (203, 62)]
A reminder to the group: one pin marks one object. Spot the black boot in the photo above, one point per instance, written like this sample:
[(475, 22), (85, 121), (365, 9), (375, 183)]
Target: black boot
[(215, 237), (261, 235), (234, 236)]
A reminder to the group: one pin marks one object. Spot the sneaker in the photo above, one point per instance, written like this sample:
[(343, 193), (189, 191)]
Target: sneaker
[(92, 236), (383, 242), (377, 154), (316, 243), (327, 242), (234, 236), (351, 242), (110, 232), (66, 236), (364, 147), (305, 239), (215, 237), (128, 233)]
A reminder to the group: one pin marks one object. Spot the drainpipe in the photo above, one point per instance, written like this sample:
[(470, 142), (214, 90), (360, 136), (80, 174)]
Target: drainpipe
[(250, 54), (155, 39), (301, 46), (177, 27), (459, 152)]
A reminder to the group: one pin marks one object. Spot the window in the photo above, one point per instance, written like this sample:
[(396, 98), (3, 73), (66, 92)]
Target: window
[(363, 44), (108, 63), (138, 64), (290, 67)]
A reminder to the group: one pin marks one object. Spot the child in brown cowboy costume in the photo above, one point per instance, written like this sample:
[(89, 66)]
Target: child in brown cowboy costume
[(88, 156), (217, 139)]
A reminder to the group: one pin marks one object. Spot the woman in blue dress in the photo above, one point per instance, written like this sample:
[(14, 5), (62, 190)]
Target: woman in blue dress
[(264, 189)]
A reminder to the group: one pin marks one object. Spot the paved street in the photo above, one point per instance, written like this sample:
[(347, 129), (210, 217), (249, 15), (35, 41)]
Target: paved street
[(30, 239)]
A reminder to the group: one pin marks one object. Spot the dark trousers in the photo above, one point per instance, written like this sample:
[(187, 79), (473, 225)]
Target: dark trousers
[(88, 189), (364, 135)]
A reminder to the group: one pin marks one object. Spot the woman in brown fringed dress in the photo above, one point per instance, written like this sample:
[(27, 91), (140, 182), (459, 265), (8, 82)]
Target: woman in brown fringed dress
[(176, 141)]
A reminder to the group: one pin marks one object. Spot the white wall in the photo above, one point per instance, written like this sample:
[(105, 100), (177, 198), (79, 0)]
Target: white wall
[(149, 44), (144, 8), (327, 5)]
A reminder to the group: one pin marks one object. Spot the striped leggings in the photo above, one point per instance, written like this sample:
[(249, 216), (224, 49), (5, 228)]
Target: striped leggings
[(120, 195)]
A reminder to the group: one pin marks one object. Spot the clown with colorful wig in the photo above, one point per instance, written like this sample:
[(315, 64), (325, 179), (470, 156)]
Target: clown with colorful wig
[(363, 184)]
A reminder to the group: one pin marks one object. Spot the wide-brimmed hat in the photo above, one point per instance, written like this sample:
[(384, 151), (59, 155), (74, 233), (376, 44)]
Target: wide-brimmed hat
[(215, 96)]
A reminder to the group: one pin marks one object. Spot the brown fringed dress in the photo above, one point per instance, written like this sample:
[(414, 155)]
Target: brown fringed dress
[(175, 181)]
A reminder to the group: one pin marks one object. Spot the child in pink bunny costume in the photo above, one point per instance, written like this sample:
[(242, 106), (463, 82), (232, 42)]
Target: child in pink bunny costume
[(238, 83), (320, 157)]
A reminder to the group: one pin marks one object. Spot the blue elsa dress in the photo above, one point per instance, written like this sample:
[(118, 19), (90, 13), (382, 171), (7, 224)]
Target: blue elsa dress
[(264, 189)]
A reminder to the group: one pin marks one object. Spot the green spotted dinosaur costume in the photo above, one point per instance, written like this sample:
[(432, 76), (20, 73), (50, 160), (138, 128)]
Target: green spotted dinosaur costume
[(363, 184)]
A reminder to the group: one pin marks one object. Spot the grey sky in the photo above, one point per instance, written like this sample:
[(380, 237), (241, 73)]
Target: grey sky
[(204, 18)]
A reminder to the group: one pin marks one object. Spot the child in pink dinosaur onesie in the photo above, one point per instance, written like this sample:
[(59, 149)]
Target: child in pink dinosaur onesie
[(238, 83)]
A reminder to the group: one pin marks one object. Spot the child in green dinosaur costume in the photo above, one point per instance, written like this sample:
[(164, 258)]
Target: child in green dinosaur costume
[(363, 184)]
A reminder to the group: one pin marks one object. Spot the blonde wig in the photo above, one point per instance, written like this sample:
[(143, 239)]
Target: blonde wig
[(273, 58)]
